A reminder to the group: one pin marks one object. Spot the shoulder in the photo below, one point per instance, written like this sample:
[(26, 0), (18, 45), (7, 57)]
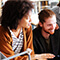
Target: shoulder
[(4, 33), (57, 31), (35, 30), (3, 30), (55, 9)]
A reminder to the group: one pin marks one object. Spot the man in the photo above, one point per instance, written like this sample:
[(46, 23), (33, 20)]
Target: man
[(56, 10), (46, 37)]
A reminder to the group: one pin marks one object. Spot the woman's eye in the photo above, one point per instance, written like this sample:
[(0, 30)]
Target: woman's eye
[(26, 17)]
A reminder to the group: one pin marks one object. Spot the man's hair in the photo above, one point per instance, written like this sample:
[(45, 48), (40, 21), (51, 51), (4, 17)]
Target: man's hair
[(13, 11), (45, 14)]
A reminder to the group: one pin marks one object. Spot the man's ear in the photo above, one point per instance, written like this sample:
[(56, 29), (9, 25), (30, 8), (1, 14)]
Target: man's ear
[(57, 27), (40, 24)]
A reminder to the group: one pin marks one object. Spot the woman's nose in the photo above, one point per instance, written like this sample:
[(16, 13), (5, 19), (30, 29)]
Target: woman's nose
[(30, 20)]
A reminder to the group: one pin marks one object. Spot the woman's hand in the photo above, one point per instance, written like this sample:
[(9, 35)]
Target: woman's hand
[(43, 56)]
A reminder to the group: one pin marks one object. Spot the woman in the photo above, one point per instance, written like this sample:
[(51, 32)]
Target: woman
[(15, 29)]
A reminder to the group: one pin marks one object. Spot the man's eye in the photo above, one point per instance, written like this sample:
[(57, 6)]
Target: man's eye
[(49, 25)]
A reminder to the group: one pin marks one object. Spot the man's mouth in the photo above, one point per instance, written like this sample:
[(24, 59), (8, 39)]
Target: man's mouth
[(52, 32)]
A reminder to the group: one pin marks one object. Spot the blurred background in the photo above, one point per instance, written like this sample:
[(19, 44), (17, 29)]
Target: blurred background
[(38, 6)]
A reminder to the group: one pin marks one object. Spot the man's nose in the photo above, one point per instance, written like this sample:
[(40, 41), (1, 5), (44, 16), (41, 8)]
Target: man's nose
[(53, 26)]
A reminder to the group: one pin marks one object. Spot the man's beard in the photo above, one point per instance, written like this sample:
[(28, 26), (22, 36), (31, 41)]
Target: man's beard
[(48, 31)]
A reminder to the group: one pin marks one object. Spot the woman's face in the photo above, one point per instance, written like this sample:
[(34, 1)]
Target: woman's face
[(26, 20)]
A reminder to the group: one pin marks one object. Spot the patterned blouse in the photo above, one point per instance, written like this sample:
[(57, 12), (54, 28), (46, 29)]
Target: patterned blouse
[(17, 42)]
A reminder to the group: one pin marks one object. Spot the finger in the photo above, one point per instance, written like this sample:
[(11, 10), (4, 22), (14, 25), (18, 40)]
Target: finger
[(42, 59), (36, 56), (47, 55)]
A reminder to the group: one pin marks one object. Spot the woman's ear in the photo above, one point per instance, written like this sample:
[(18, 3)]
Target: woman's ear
[(40, 24)]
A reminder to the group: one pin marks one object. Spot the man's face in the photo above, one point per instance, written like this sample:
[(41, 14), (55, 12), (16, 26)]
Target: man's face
[(49, 25)]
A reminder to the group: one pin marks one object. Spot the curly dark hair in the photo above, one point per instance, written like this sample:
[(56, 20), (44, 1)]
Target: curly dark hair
[(13, 11)]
